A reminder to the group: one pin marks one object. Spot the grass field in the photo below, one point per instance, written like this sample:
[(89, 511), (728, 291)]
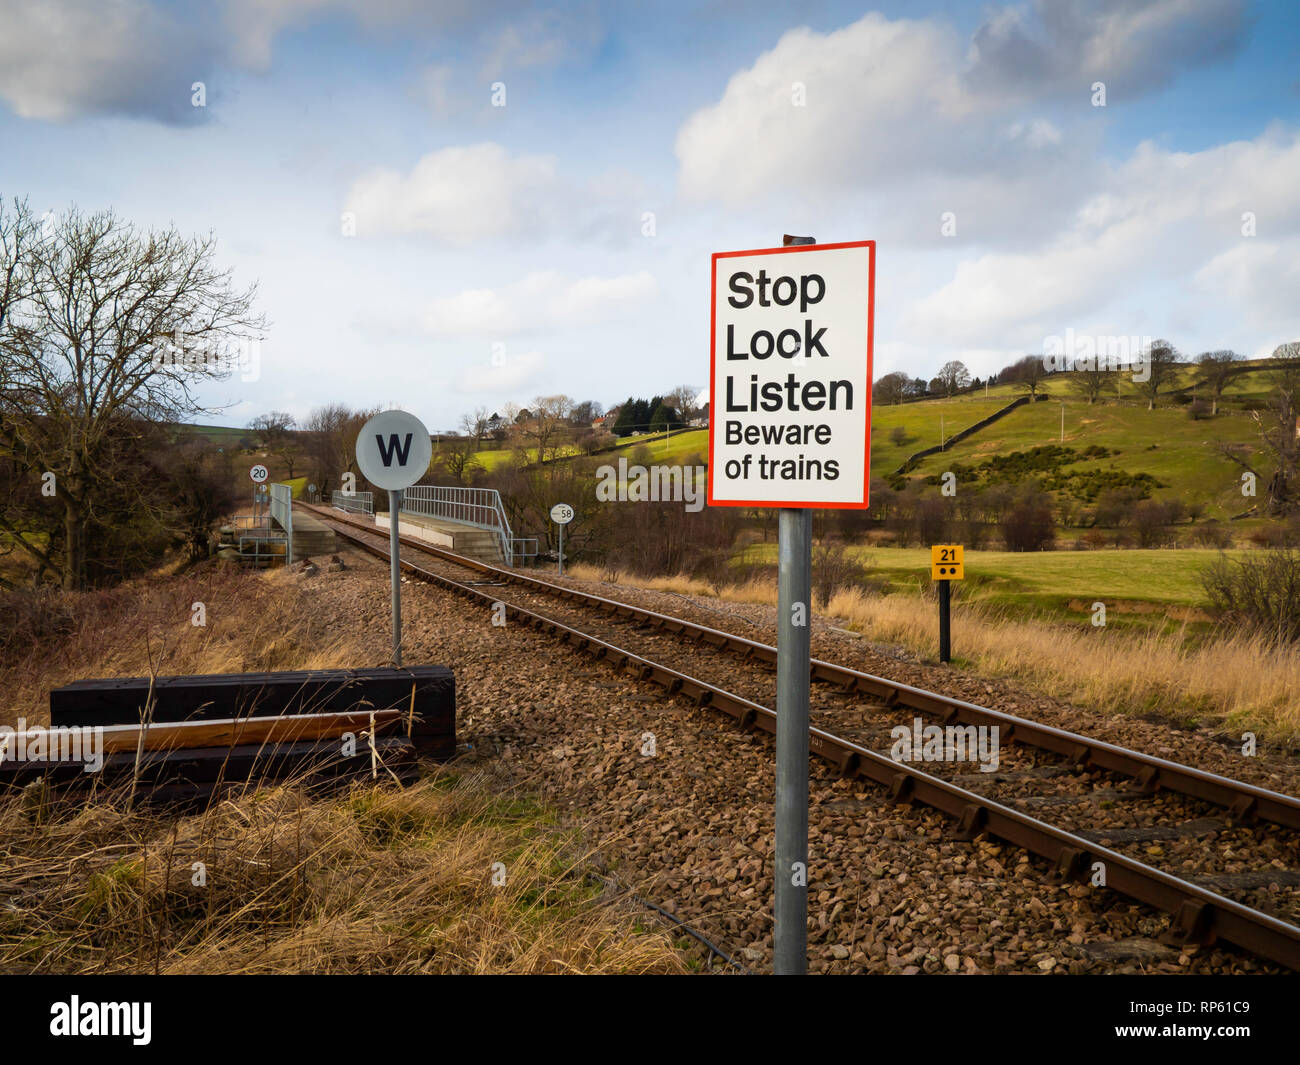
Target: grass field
[(1138, 585), (1178, 452)]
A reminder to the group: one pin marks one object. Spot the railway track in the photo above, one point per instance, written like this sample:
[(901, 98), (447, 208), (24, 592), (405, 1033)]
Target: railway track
[(1094, 825)]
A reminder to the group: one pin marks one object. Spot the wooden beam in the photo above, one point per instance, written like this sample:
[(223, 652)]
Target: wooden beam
[(225, 732)]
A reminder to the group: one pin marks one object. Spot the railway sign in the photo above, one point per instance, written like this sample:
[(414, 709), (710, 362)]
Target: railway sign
[(561, 514), (259, 474), (790, 422), (947, 563), (393, 450)]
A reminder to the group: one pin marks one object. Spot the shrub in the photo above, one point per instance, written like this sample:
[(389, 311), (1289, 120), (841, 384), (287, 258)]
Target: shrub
[(1212, 534), (1028, 524), (1198, 409), (834, 570), (1151, 520), (1260, 590), (30, 616)]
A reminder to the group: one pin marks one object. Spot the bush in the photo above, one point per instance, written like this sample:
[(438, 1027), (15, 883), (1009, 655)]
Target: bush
[(31, 616), (834, 570), (1260, 590), (1028, 524), (1212, 534), (1151, 521), (1198, 409)]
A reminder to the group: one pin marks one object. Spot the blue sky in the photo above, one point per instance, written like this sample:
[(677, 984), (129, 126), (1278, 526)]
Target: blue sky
[(499, 251)]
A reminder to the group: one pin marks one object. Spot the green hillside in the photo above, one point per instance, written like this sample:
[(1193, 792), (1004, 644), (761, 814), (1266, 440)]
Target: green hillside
[(1178, 453)]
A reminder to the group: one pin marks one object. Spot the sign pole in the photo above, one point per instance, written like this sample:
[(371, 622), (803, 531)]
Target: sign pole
[(794, 586), (793, 670), (395, 570), (944, 600), (559, 558)]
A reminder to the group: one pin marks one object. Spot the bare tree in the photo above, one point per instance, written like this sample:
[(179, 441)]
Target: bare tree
[(682, 399), (1030, 372), (102, 324), (954, 376), (331, 435), (543, 425), (475, 425), (272, 427), (1216, 370), (1162, 361), (892, 388), (1277, 434), (1088, 384)]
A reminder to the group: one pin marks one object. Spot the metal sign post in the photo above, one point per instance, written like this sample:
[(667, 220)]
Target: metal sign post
[(393, 452), (561, 514), (790, 427), (395, 569)]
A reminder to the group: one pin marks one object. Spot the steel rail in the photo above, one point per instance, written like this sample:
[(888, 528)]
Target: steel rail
[(1200, 916), (1244, 802)]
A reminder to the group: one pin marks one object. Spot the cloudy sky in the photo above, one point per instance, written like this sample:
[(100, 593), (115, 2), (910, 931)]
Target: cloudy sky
[(417, 243)]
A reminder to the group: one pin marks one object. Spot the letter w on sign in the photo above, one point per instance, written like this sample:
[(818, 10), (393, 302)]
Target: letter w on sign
[(386, 453)]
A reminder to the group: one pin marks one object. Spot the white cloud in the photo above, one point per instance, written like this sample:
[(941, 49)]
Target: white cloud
[(541, 301), (882, 98), (888, 103), (501, 376), (1161, 215), (460, 195)]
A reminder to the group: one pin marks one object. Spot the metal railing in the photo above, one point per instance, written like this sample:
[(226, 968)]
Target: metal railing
[(282, 512), (353, 502), (479, 507)]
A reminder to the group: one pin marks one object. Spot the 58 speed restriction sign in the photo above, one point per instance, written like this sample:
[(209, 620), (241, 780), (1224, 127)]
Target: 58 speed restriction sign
[(561, 513)]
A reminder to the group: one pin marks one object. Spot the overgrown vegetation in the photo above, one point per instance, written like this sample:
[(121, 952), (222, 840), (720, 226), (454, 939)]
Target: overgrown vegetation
[(1259, 590)]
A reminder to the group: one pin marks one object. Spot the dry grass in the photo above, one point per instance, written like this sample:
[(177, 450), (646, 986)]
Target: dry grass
[(377, 880), (1237, 680), (1240, 681)]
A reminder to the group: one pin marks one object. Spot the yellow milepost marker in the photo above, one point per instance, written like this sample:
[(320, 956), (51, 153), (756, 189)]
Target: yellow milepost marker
[(946, 562)]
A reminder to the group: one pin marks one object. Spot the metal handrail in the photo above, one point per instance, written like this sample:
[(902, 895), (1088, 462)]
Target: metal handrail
[(282, 512), (478, 507), (353, 502)]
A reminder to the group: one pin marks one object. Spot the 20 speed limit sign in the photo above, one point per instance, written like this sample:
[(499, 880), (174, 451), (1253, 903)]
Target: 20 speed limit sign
[(259, 473)]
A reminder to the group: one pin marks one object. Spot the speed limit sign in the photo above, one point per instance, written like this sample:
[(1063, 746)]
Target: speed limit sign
[(561, 513), (259, 473)]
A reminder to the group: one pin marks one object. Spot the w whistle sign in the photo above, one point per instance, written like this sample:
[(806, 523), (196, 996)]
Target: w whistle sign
[(394, 450)]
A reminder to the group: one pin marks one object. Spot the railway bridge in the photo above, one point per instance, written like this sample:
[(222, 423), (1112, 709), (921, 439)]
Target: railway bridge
[(468, 521)]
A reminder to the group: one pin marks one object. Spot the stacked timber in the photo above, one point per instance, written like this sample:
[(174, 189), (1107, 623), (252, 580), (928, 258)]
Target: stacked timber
[(187, 737)]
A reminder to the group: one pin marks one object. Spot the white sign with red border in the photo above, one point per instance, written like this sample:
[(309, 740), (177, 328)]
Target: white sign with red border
[(259, 474), (790, 393)]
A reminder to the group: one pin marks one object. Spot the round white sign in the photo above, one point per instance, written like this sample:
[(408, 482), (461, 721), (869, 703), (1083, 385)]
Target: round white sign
[(394, 450), (561, 513), (259, 473)]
